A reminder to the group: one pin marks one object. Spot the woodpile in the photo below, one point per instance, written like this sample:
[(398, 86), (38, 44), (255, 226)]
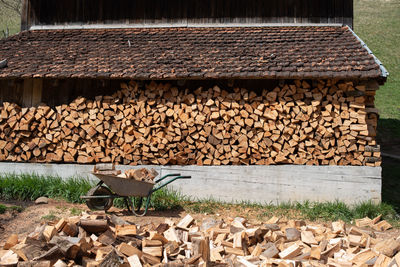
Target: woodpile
[(142, 174), (106, 169), (322, 122), (107, 240)]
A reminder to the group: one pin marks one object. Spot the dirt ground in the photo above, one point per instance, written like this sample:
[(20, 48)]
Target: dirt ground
[(23, 223)]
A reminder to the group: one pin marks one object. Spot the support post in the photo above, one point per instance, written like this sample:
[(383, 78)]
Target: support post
[(32, 94), (27, 93), (37, 91)]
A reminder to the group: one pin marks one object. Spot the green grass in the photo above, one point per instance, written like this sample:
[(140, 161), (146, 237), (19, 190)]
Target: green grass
[(4, 208), (166, 199), (50, 217), (75, 211), (313, 211), (30, 187), (378, 24), (333, 211), (204, 206), (9, 19), (16, 208)]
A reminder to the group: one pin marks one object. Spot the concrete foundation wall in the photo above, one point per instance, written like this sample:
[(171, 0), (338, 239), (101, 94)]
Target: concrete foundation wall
[(261, 184)]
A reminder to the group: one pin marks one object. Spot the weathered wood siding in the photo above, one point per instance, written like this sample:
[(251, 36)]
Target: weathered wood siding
[(61, 12), (30, 92), (57, 92), (11, 91), (62, 91)]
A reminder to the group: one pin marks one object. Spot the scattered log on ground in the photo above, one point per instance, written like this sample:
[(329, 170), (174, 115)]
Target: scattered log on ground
[(277, 242)]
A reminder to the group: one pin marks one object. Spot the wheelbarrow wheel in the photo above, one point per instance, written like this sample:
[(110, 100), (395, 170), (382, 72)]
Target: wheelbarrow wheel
[(99, 203)]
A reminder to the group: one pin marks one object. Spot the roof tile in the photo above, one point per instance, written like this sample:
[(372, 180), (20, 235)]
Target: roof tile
[(179, 53)]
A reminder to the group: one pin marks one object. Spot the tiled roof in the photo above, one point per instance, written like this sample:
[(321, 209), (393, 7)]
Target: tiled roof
[(189, 53)]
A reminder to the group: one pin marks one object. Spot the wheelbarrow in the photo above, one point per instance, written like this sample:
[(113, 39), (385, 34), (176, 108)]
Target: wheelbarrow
[(101, 197)]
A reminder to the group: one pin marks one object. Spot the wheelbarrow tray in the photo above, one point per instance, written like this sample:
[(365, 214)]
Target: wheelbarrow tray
[(126, 187)]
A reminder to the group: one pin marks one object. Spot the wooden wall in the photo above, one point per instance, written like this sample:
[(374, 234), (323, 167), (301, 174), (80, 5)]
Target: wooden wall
[(31, 92), (50, 12), (11, 91), (57, 92), (53, 92)]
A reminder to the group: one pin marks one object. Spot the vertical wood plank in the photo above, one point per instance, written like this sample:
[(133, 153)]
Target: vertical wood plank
[(299, 11), (331, 11), (24, 15), (37, 89), (2, 91), (11, 91), (323, 11), (339, 11), (42, 16), (315, 14), (27, 94), (280, 9), (19, 91), (32, 18), (181, 11), (290, 6), (273, 12), (348, 13)]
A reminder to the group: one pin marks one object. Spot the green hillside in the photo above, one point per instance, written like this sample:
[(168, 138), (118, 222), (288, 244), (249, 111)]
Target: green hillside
[(9, 19), (378, 24)]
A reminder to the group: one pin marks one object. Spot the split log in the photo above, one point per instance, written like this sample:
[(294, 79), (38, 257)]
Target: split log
[(94, 226)]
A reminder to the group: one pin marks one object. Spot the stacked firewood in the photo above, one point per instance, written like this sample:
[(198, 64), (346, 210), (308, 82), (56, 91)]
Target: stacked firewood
[(142, 174), (322, 122), (104, 240)]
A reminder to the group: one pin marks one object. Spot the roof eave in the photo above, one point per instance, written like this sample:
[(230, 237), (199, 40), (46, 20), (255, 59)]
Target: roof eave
[(384, 71)]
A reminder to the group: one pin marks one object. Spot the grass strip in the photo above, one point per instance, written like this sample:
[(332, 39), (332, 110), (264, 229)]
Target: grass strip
[(31, 186), (313, 211)]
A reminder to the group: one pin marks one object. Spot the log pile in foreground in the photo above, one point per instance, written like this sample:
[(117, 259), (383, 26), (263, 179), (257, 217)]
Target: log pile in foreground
[(316, 123), (103, 240)]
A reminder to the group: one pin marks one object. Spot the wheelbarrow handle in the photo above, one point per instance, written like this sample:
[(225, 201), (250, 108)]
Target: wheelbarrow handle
[(170, 181), (166, 176)]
